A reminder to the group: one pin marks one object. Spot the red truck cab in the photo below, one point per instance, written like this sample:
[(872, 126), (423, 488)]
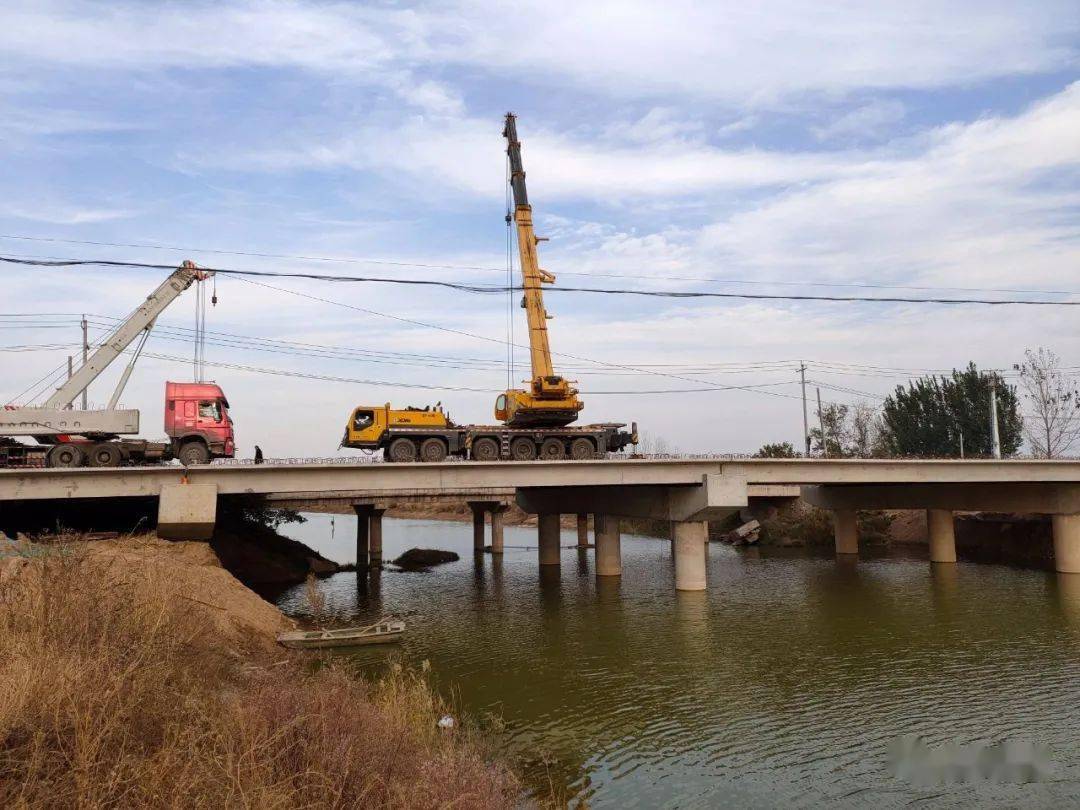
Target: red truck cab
[(197, 422)]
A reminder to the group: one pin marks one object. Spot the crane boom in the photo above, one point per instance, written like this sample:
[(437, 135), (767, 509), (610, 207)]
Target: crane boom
[(550, 400), (532, 275), (139, 322)]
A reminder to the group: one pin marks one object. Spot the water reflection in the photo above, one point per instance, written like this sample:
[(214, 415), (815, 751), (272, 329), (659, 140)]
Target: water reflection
[(783, 684)]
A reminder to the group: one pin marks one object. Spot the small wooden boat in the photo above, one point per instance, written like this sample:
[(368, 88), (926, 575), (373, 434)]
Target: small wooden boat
[(384, 631)]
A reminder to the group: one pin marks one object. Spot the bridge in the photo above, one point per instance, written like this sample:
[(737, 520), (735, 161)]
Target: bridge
[(686, 492)]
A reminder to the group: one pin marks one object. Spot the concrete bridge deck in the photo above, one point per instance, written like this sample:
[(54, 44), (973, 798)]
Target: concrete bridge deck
[(684, 491)]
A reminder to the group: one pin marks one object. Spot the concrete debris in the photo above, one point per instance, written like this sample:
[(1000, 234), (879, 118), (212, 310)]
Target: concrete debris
[(747, 534)]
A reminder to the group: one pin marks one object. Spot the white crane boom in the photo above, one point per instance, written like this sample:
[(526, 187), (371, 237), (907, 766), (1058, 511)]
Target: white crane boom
[(139, 322)]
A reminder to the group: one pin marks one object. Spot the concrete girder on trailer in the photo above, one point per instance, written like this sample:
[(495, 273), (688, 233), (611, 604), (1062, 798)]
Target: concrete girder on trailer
[(54, 421)]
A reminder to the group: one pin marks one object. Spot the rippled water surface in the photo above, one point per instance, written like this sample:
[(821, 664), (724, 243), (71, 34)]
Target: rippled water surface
[(783, 685)]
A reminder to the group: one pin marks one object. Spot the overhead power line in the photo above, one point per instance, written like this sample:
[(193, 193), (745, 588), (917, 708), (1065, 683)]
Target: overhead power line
[(497, 289), (502, 270)]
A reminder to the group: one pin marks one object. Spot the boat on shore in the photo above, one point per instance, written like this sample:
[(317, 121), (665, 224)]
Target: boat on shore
[(384, 631)]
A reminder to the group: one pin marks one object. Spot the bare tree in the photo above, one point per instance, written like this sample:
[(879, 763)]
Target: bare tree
[(863, 431), (653, 445), (1054, 424)]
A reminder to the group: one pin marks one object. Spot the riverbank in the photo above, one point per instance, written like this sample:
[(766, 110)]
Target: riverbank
[(138, 672)]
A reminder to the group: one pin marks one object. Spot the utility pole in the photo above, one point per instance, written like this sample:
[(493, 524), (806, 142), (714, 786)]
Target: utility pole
[(805, 421), (85, 354), (961, 444), (994, 435), (71, 370), (821, 424)]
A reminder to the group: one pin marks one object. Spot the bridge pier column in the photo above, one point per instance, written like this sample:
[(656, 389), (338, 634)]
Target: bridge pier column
[(689, 540), (942, 534), (583, 531), (608, 546), (497, 529), (478, 511), (846, 531), (547, 530), (1067, 543), (362, 535), (375, 537)]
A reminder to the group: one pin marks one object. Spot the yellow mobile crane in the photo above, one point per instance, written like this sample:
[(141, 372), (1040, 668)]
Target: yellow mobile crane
[(550, 401), (535, 423)]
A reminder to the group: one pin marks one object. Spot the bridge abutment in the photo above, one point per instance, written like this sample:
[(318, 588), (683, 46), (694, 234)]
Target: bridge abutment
[(689, 539), (942, 535), (187, 511), (846, 531), (608, 545), (548, 531)]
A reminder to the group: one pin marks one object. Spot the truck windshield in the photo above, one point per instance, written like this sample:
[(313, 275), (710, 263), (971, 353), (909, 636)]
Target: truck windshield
[(210, 411), (363, 420)]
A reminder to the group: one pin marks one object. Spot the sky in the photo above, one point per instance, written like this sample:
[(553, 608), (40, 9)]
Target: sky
[(903, 149)]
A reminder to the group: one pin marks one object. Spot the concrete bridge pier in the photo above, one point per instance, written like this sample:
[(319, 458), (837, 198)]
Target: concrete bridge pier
[(608, 545), (846, 531), (548, 531), (1067, 543), (942, 534), (362, 536), (497, 513), (690, 539), (479, 510), (369, 535), (583, 530), (375, 537)]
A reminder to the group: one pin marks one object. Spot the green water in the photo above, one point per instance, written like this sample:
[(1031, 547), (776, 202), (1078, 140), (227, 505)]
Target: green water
[(783, 685)]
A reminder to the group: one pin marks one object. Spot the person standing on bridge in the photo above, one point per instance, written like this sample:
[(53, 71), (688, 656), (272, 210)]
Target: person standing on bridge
[(258, 455)]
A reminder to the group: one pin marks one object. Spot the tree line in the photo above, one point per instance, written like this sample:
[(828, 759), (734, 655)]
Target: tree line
[(948, 416)]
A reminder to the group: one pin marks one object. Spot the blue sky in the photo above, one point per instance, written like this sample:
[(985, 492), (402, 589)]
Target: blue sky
[(912, 144)]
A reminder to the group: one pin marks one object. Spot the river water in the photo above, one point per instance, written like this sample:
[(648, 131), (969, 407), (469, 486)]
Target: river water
[(786, 684)]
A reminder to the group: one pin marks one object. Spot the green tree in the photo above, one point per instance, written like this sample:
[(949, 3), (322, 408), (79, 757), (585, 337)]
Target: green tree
[(927, 419), (776, 450)]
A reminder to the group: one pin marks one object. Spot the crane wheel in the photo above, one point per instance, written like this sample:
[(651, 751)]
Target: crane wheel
[(522, 449), (485, 449), (582, 448), (105, 454), (65, 456), (433, 450), (552, 450), (402, 450)]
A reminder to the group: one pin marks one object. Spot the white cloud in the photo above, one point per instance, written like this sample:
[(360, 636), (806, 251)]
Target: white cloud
[(870, 120), (733, 52)]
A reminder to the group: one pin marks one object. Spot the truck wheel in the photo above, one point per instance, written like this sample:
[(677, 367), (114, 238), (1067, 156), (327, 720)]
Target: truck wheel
[(552, 450), (402, 450), (522, 449), (194, 453), (433, 450), (65, 456), (582, 448), (105, 454), (486, 449)]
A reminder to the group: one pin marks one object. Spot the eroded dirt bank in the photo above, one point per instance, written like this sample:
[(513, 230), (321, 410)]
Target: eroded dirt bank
[(139, 673)]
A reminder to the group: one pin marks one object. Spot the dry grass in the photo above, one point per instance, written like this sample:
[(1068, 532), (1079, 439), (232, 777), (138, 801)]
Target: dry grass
[(114, 694)]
